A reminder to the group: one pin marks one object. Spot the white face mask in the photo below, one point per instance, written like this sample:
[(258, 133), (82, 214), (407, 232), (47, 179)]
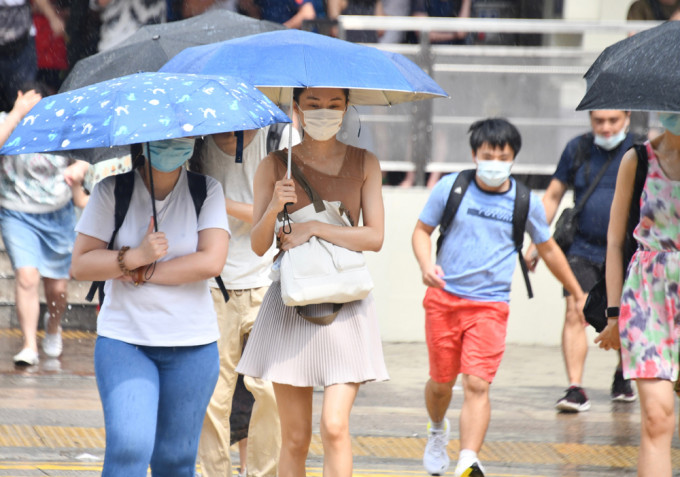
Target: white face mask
[(611, 142), (322, 124), (493, 173)]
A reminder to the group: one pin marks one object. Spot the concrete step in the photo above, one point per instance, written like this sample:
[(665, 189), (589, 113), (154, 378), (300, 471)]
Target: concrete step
[(80, 314)]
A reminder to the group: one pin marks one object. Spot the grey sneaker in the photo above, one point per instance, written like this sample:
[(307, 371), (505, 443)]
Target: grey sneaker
[(436, 459)]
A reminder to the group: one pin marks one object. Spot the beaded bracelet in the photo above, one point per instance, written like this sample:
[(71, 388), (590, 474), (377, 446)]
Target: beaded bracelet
[(137, 276), (121, 263)]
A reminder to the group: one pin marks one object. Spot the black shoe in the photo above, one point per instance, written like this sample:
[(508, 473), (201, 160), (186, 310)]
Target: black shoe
[(574, 400), (473, 471), (622, 389)]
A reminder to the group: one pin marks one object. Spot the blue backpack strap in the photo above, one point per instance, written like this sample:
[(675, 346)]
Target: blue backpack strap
[(520, 215), (122, 193), (458, 189), (198, 188)]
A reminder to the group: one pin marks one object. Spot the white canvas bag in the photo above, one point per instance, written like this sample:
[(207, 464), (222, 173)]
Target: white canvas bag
[(318, 271)]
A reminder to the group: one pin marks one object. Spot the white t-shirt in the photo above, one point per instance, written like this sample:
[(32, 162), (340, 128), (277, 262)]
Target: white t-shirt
[(151, 314), (244, 269)]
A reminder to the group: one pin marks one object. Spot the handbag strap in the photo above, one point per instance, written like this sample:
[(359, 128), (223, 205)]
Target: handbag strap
[(300, 178), (593, 185), (321, 320)]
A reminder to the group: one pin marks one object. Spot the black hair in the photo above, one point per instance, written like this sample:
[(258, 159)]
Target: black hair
[(137, 155), (38, 86), (496, 132), (298, 91)]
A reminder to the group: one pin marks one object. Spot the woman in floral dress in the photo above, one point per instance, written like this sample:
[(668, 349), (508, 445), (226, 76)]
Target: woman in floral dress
[(647, 328)]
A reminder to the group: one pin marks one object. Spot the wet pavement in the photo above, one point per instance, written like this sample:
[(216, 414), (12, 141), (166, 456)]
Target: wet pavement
[(51, 422)]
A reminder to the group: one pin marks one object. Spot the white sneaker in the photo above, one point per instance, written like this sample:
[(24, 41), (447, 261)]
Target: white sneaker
[(436, 460), (26, 357), (52, 345)]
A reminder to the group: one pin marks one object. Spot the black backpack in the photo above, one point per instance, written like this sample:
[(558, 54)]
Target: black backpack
[(520, 214), (596, 303), (122, 193)]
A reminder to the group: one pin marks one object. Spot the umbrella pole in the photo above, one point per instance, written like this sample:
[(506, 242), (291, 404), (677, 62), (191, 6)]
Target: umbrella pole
[(151, 189), (290, 135)]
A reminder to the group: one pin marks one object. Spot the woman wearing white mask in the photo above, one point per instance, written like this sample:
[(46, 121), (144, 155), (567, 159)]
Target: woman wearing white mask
[(644, 299), (156, 358), (284, 348)]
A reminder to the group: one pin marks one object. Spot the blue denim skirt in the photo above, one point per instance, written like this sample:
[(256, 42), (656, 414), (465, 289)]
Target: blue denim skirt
[(42, 241)]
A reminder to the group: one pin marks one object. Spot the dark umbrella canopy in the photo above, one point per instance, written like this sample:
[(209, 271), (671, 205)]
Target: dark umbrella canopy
[(640, 73), (153, 45)]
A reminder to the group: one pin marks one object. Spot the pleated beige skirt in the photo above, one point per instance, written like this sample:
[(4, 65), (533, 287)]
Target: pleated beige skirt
[(287, 349)]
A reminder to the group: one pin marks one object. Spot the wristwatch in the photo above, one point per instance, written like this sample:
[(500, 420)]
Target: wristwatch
[(612, 312)]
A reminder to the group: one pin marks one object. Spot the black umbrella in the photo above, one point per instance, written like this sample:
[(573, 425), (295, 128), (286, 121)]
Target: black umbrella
[(640, 73), (153, 45)]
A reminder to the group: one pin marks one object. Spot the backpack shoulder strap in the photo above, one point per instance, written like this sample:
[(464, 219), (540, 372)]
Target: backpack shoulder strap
[(581, 155), (458, 190), (198, 188), (520, 214), (630, 244), (122, 194)]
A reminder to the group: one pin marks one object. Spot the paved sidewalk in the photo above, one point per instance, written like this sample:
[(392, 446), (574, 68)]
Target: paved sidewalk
[(51, 421)]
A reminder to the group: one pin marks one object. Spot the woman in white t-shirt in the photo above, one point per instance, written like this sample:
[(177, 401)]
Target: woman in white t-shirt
[(156, 358)]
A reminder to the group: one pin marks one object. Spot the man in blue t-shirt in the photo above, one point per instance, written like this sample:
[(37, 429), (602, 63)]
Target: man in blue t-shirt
[(290, 13), (581, 161), (466, 303)]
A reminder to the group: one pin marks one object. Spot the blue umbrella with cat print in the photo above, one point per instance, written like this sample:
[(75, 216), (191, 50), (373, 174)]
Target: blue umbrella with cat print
[(140, 108)]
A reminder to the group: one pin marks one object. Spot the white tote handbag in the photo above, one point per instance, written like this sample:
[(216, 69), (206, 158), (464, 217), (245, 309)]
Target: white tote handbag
[(318, 271)]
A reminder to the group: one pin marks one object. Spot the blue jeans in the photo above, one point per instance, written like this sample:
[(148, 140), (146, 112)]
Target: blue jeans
[(154, 401)]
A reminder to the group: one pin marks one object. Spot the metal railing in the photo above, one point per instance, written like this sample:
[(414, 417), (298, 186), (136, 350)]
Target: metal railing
[(536, 87)]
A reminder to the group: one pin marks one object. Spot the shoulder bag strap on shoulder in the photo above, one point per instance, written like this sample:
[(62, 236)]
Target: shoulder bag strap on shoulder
[(458, 189), (593, 185)]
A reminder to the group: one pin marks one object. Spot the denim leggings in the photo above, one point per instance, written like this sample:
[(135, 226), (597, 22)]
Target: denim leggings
[(154, 401)]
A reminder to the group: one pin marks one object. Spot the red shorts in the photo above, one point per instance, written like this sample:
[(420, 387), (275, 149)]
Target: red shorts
[(463, 336)]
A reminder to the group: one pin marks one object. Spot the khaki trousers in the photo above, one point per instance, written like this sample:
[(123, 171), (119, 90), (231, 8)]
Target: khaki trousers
[(235, 319)]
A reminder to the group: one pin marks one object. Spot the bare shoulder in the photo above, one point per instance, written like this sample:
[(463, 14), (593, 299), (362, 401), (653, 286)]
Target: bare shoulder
[(371, 163)]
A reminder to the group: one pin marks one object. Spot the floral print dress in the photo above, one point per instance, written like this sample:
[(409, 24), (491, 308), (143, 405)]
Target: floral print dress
[(649, 321)]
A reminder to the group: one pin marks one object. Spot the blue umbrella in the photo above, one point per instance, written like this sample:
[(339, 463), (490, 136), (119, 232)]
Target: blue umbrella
[(140, 108), (279, 60)]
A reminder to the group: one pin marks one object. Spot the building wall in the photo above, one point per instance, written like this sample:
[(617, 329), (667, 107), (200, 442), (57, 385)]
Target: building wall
[(399, 289)]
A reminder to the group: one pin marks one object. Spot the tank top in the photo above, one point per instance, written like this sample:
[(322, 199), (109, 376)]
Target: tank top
[(344, 187)]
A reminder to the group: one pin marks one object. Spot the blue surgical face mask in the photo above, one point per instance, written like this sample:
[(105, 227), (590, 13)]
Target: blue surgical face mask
[(670, 122), (169, 154), (611, 142)]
